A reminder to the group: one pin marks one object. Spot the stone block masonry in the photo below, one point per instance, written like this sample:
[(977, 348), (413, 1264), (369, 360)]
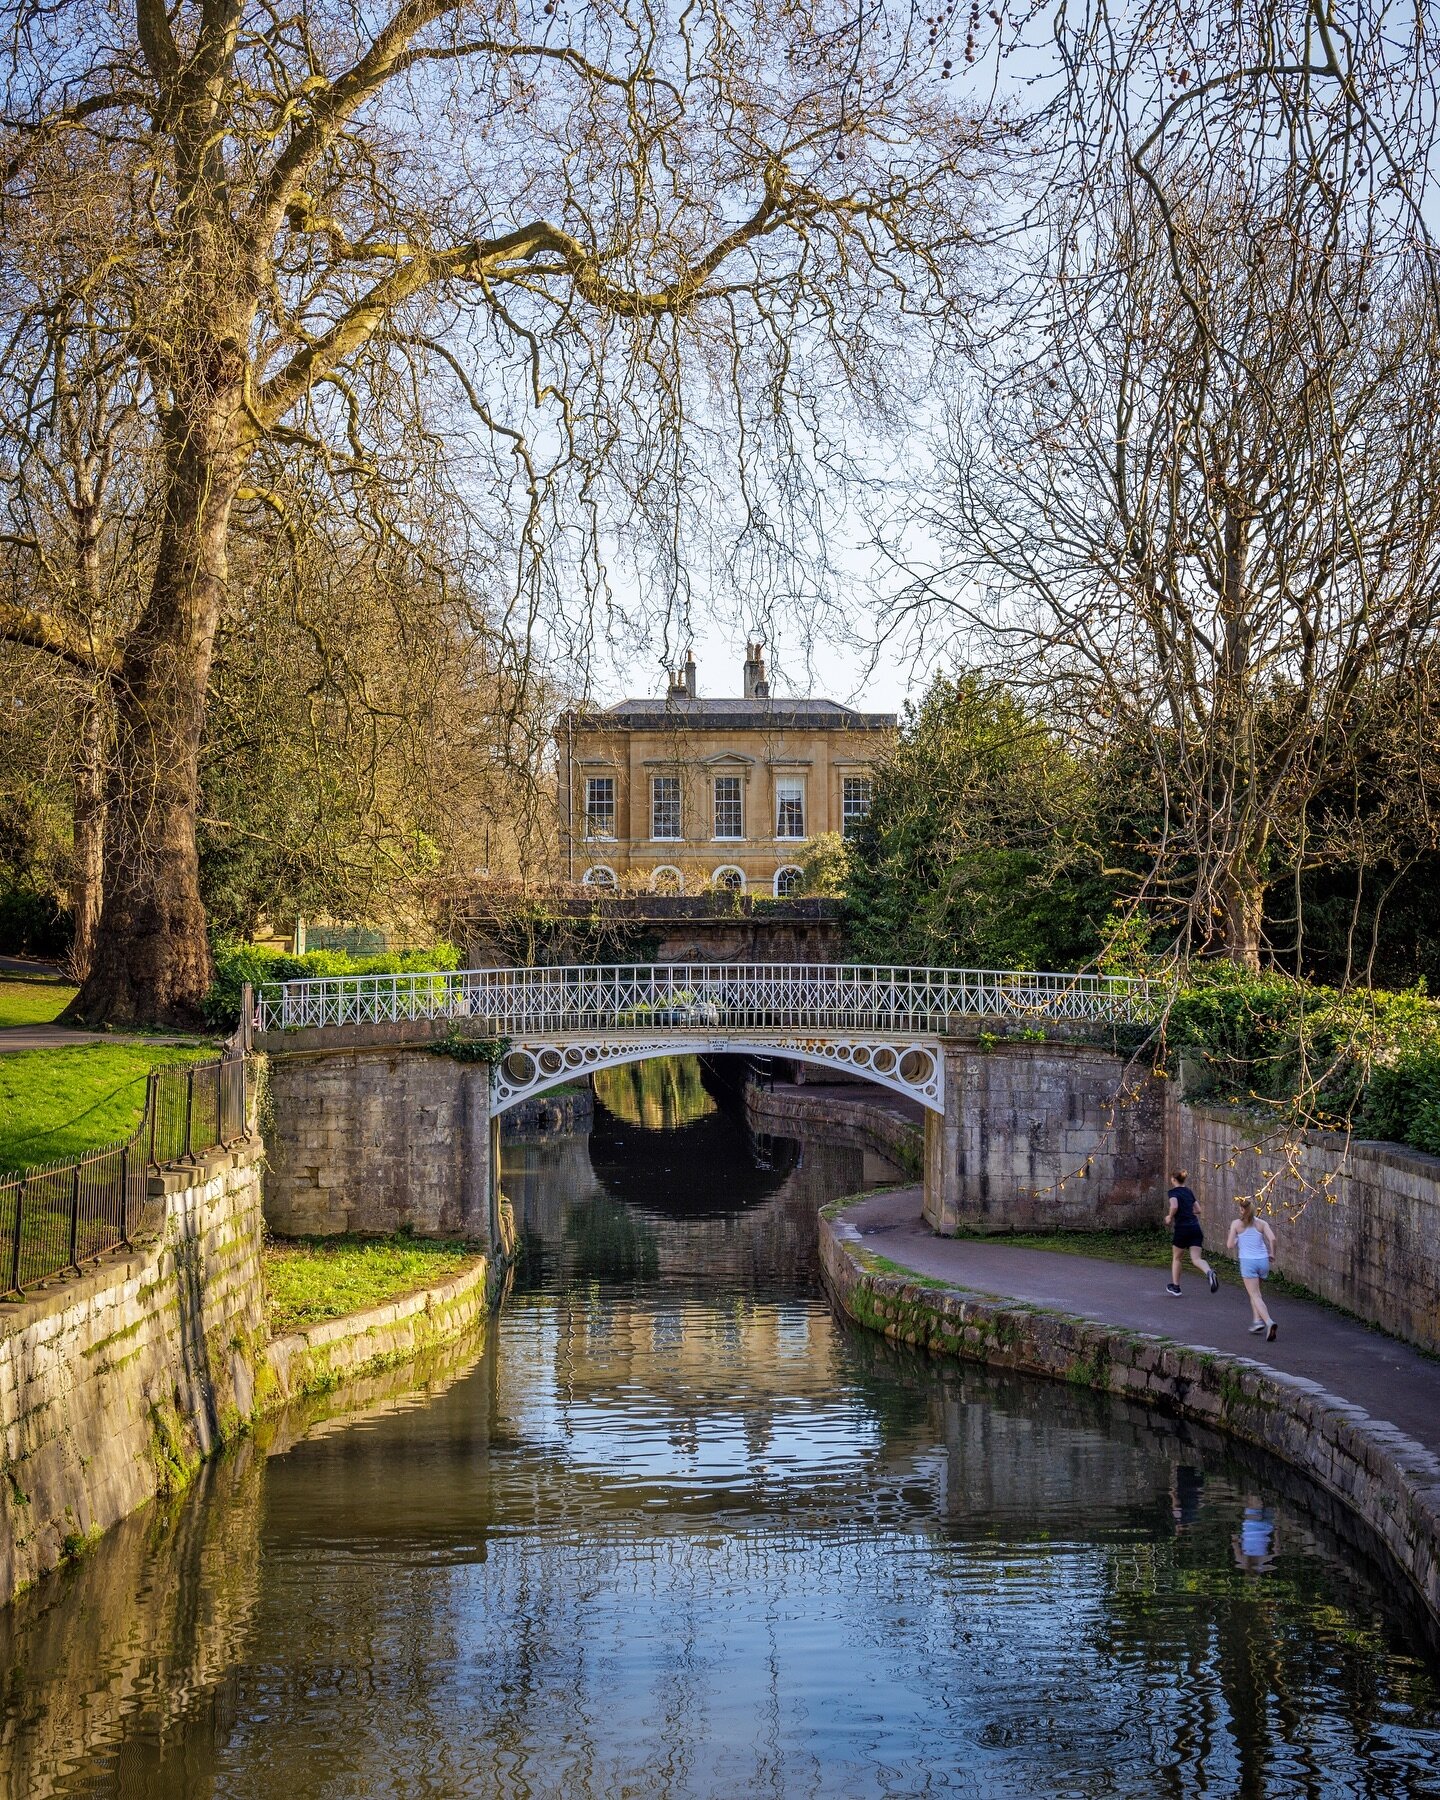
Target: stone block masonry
[(1357, 1223), (378, 1140), (114, 1385), (1040, 1135)]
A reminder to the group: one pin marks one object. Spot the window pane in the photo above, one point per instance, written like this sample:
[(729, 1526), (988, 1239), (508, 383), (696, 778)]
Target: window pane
[(729, 817), (600, 806), (665, 806), (854, 802), (732, 879), (787, 881), (789, 808), (599, 877)]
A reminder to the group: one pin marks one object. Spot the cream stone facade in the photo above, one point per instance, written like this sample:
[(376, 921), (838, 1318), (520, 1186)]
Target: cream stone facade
[(682, 794)]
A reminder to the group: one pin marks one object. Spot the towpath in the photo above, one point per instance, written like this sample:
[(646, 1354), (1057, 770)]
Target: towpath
[(1389, 1379)]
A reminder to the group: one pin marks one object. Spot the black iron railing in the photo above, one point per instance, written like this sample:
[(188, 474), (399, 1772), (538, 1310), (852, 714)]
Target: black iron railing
[(55, 1217)]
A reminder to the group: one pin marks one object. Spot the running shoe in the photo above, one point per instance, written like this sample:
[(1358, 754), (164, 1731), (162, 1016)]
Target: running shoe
[(1170, 1288), (1259, 1325), (1214, 1281), (1270, 1334)]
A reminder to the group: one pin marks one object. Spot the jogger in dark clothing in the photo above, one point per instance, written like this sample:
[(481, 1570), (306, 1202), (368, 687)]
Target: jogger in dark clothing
[(1183, 1218)]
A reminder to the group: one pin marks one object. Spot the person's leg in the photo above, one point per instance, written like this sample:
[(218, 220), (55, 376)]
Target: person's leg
[(1258, 1310), (1204, 1267), (1174, 1265)]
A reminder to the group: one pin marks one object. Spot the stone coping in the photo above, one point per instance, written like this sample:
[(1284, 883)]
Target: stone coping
[(389, 1312), (1386, 1478)]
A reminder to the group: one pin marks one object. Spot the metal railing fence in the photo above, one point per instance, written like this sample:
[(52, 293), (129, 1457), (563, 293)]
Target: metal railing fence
[(756, 996), (56, 1216)]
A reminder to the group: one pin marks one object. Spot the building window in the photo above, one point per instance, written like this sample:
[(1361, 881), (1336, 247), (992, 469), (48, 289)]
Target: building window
[(729, 813), (665, 806), (667, 880), (730, 878), (600, 806), (788, 880), (855, 795), (789, 807), (599, 876)]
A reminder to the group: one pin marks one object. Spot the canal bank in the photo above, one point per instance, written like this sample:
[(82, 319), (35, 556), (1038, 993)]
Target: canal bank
[(1356, 1411)]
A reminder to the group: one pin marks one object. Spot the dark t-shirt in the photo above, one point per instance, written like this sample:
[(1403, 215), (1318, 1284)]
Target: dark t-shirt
[(1185, 1204)]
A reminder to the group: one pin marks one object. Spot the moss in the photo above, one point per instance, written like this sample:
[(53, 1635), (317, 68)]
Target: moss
[(175, 1458)]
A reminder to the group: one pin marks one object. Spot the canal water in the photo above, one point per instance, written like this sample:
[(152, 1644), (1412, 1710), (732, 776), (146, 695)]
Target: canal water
[(676, 1530)]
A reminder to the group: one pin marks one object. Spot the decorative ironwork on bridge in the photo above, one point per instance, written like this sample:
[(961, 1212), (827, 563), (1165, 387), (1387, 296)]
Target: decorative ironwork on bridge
[(883, 1023)]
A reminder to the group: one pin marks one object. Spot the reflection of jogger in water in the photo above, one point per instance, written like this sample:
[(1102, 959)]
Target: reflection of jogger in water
[(1254, 1543), (1183, 1218)]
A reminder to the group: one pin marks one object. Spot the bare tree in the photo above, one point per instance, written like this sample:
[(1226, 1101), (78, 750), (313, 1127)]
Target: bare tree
[(1198, 504), (564, 211)]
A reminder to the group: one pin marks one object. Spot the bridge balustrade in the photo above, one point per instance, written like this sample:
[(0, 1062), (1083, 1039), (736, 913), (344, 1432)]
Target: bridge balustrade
[(691, 997)]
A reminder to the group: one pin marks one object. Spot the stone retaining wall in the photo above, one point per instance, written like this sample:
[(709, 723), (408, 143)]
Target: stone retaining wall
[(377, 1141), (866, 1124), (335, 1350), (1357, 1223), (1039, 1135), (115, 1384), (1388, 1480)]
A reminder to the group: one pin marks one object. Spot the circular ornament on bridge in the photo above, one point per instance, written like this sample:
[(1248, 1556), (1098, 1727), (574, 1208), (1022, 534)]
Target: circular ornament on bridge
[(861, 1056), (519, 1068), (917, 1067), (574, 1058), (843, 1052), (551, 1062), (883, 1060)]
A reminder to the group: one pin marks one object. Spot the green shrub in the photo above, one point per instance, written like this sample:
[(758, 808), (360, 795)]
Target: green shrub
[(1363, 1059), (235, 964)]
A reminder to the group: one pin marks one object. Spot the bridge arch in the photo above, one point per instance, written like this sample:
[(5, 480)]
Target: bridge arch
[(906, 1067)]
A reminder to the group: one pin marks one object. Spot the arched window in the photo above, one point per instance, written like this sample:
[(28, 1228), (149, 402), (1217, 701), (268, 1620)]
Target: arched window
[(667, 880), (788, 880), (600, 876), (729, 877)]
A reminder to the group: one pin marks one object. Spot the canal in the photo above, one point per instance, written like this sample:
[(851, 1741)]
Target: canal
[(676, 1530)]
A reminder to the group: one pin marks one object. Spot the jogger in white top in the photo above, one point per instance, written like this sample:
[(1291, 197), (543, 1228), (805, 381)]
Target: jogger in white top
[(1253, 1241)]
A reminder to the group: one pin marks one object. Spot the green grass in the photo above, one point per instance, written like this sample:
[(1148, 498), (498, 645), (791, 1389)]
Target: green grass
[(60, 1103), (32, 999), (310, 1279), (1151, 1248)]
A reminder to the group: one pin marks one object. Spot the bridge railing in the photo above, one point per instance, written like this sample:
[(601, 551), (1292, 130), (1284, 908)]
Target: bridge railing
[(757, 996)]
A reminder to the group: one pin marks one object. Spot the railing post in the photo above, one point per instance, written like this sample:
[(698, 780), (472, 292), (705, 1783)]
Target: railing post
[(19, 1227), (152, 1091), (189, 1110), (75, 1218), (125, 1195), (220, 1132)]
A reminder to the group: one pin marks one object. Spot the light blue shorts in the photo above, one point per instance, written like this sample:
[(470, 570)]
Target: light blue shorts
[(1255, 1265)]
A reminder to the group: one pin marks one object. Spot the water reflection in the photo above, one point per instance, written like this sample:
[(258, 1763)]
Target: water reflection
[(676, 1532), (658, 1095)]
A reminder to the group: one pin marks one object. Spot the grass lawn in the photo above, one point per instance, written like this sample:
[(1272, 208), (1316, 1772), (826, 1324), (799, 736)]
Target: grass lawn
[(32, 999), (310, 1279), (1151, 1248), (59, 1103)]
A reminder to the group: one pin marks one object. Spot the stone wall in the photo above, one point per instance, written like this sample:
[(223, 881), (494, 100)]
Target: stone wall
[(866, 1123), (1383, 1477), (1356, 1223), (373, 1140), (1038, 1135), (115, 1384)]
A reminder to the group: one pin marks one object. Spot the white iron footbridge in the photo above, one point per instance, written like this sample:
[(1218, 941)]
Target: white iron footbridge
[(553, 1025)]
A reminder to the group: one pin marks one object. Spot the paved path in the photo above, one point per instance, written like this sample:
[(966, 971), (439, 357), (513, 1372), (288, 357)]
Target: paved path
[(1387, 1378)]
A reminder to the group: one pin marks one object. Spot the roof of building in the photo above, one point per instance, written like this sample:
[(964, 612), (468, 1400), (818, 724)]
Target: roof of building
[(680, 712)]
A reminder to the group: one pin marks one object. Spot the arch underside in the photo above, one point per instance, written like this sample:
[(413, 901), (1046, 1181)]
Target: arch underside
[(533, 1065)]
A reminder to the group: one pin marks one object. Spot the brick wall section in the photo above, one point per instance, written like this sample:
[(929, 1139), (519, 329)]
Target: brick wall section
[(1040, 1135), (376, 1140), (115, 1384), (1358, 1224), (1385, 1478)]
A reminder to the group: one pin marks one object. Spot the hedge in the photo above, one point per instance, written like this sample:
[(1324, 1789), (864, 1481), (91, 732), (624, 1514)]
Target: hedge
[(235, 964)]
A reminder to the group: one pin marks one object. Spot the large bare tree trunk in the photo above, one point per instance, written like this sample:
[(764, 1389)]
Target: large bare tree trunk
[(88, 865), (152, 961)]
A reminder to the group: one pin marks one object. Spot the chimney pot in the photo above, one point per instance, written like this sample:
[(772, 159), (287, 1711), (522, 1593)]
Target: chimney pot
[(756, 685)]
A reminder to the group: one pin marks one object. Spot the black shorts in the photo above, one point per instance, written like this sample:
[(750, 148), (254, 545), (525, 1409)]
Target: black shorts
[(1187, 1237)]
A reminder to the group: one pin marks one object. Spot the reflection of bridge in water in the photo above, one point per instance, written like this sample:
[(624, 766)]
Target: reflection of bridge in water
[(885, 1024)]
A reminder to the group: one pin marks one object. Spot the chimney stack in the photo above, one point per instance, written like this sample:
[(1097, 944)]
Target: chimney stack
[(756, 686), (690, 674), (682, 680)]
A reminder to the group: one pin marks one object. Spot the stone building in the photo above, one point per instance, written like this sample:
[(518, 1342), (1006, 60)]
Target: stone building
[(684, 793)]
